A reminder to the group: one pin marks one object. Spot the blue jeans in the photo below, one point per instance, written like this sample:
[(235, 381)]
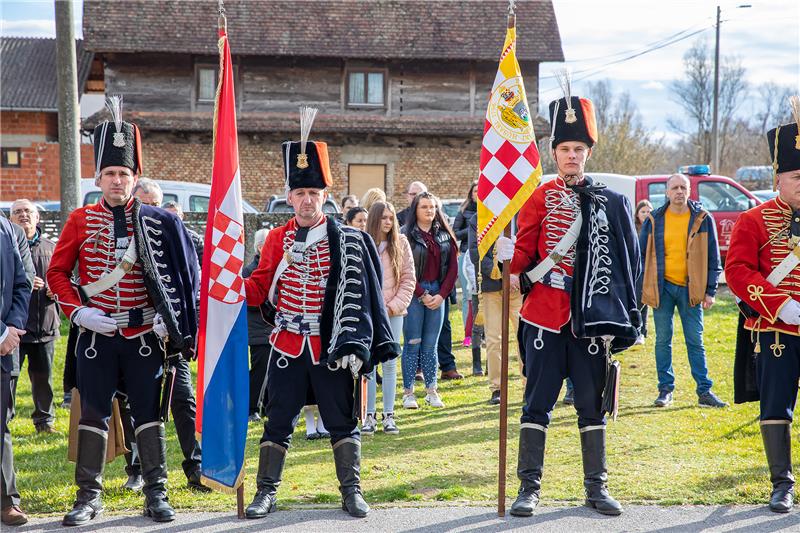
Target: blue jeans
[(389, 370), (421, 329), (692, 321)]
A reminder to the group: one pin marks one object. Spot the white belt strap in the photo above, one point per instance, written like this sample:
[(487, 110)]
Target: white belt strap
[(315, 235), (787, 265), (558, 253), (106, 282)]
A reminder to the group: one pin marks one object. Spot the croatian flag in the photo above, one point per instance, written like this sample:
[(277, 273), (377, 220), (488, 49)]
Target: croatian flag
[(222, 380)]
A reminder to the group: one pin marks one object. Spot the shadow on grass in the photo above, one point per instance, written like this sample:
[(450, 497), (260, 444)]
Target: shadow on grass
[(754, 475)]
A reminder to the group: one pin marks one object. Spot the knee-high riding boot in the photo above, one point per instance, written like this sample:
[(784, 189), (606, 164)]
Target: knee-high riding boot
[(271, 458), (92, 444), (152, 446), (347, 455), (529, 468), (595, 475), (778, 447)]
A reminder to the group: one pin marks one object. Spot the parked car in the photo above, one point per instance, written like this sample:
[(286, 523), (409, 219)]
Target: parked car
[(277, 204), (765, 194), (720, 195), (450, 209), (754, 173), (191, 196), (625, 185)]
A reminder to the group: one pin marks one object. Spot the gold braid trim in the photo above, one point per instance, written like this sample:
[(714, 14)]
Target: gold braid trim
[(757, 291), (776, 347)]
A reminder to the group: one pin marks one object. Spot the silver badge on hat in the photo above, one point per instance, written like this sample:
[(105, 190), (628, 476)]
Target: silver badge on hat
[(119, 139)]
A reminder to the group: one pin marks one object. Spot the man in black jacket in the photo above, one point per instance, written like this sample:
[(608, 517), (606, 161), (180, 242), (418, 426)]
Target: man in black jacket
[(42, 330)]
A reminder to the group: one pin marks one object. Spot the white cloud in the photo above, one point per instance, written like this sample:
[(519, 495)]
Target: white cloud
[(653, 85), (28, 28)]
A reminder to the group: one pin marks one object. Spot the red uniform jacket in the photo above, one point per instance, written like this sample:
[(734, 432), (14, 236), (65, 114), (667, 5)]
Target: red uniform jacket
[(88, 239), (300, 291), (543, 221), (759, 242)]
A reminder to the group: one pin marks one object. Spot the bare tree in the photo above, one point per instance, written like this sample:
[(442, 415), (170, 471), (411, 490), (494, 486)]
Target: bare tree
[(624, 145), (694, 92), (774, 106)]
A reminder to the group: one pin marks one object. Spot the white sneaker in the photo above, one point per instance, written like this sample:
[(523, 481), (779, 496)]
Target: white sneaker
[(433, 399), (389, 425), (410, 402), (639, 340), (368, 425)]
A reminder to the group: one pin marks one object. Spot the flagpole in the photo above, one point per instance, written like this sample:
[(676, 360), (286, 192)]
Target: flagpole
[(501, 475), (222, 23)]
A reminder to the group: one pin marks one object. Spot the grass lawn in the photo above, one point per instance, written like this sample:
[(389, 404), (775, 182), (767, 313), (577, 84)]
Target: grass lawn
[(679, 455)]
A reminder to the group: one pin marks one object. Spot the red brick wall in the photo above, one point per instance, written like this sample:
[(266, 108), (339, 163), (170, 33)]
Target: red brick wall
[(29, 123), (39, 176), (446, 170)]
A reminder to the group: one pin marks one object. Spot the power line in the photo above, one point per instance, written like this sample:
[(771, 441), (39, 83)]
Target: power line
[(591, 71), (639, 49)]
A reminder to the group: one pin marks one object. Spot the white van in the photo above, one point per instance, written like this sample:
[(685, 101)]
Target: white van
[(190, 196), (624, 185)]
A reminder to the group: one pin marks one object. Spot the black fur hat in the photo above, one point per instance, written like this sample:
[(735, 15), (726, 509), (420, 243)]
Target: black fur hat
[(117, 143)]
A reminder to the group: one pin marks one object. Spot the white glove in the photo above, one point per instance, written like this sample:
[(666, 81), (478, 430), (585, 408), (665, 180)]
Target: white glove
[(352, 362), (94, 320), (159, 326), (504, 248), (790, 313)]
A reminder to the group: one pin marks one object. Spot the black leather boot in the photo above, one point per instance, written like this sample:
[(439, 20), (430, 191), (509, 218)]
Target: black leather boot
[(477, 370), (271, 458), (88, 476), (152, 445), (595, 475), (347, 455), (778, 447), (529, 470)]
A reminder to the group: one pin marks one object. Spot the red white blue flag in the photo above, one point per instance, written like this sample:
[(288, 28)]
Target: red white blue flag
[(222, 380)]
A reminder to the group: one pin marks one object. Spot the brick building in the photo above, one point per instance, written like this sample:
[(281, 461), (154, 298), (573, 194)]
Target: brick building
[(401, 86), (29, 167)]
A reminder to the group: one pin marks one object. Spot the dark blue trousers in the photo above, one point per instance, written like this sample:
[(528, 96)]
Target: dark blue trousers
[(102, 361), (777, 372), (302, 382), (549, 359)]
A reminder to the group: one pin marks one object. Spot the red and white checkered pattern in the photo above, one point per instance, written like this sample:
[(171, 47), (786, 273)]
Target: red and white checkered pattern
[(227, 257), (505, 167)]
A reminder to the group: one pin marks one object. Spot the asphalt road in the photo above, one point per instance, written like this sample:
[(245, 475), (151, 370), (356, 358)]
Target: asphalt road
[(744, 519)]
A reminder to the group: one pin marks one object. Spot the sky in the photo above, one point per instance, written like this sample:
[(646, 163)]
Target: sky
[(765, 37)]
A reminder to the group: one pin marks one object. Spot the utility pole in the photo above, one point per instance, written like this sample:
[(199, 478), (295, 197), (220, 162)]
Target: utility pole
[(68, 108), (715, 119)]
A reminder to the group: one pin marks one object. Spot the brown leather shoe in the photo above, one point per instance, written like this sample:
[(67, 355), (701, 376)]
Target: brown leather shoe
[(13, 516), (451, 374)]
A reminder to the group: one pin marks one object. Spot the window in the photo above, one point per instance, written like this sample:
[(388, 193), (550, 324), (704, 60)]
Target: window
[(719, 196), (206, 83), (92, 197), (365, 177), (365, 88), (657, 193), (11, 158), (169, 197), (199, 203)]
